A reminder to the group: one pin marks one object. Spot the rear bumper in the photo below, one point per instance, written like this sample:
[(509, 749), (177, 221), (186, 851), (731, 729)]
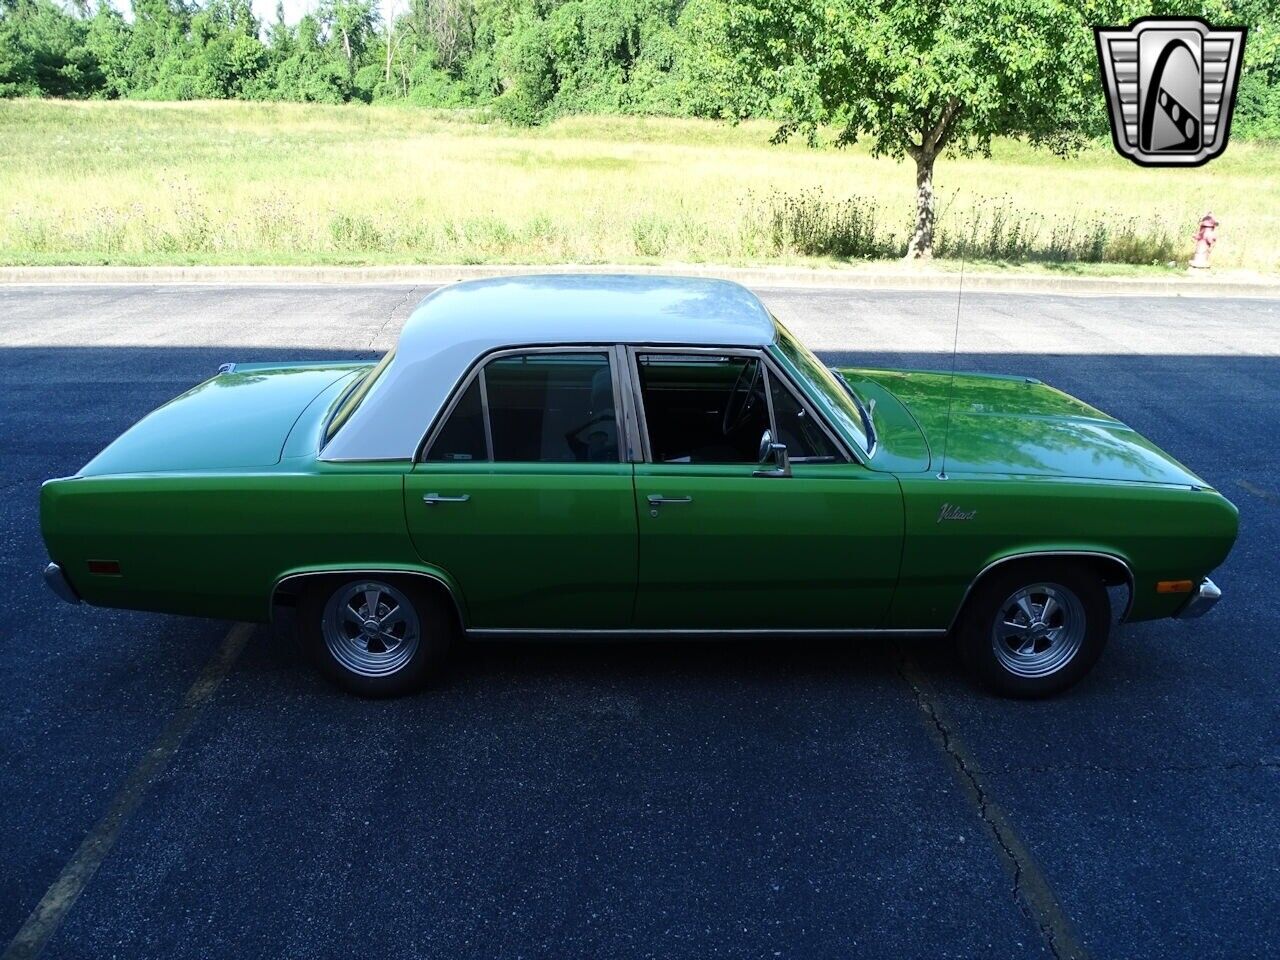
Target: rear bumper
[(57, 582), (1201, 601)]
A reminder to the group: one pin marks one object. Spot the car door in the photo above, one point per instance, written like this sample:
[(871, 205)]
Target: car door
[(523, 497), (725, 542)]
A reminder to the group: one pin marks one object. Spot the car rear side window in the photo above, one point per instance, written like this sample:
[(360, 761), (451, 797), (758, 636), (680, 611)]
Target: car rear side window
[(463, 436), (537, 407)]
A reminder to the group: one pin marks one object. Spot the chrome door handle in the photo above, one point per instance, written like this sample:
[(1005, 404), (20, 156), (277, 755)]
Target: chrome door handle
[(431, 498), (657, 498)]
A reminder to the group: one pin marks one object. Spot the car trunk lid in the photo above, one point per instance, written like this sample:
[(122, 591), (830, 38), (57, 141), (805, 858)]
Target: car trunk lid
[(240, 418)]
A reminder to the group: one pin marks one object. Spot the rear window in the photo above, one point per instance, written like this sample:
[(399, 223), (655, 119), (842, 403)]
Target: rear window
[(355, 395)]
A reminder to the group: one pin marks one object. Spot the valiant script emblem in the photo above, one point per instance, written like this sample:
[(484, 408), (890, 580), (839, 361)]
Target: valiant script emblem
[(1171, 87), (950, 512)]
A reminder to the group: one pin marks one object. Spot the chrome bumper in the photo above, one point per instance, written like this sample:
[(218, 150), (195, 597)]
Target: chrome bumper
[(1204, 597), (57, 582)]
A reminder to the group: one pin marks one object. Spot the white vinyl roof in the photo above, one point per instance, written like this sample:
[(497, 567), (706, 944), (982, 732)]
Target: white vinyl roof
[(455, 326)]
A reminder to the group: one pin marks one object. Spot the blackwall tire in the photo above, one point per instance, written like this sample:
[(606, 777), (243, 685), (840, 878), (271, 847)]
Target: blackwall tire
[(377, 635), (1034, 630)]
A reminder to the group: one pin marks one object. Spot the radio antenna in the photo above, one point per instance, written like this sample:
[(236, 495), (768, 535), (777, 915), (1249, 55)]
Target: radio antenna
[(951, 386)]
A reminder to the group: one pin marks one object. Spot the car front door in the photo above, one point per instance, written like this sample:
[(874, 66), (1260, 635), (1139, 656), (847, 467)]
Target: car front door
[(726, 543), (523, 498)]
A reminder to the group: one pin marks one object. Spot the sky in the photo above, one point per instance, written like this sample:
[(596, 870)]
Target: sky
[(294, 9)]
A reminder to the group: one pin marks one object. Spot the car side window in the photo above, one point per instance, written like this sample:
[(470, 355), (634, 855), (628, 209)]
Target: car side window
[(796, 427), (536, 407), (463, 435), (701, 408)]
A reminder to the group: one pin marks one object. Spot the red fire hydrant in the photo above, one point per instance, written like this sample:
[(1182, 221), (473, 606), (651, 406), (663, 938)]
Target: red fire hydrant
[(1205, 238)]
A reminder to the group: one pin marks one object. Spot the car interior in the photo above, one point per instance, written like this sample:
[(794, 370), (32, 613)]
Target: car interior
[(543, 408), (704, 409)]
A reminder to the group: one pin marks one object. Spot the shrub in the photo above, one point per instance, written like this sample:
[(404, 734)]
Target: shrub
[(809, 224)]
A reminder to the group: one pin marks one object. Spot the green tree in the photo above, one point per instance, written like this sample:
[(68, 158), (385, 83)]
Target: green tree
[(350, 24), (1258, 102), (43, 51), (921, 78), (230, 56)]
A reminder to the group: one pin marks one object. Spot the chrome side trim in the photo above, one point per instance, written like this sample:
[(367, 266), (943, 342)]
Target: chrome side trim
[(56, 581), (625, 633), (361, 571), (227, 368), (1201, 602), (1031, 555)]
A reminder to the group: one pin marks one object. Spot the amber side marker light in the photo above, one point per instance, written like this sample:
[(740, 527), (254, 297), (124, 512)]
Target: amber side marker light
[(1174, 586), (109, 568)]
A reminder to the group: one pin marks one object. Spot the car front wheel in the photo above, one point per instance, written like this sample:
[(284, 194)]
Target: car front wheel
[(1036, 629), (375, 636)]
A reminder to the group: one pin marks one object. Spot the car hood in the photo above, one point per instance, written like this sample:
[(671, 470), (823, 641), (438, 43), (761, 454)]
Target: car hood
[(240, 418), (1018, 425)]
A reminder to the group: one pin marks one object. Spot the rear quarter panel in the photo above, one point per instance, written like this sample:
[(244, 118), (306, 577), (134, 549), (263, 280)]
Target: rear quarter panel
[(1161, 532), (215, 544)]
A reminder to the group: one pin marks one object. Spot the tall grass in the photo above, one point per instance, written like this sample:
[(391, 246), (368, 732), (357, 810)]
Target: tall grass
[(283, 183), (995, 228), (811, 224)]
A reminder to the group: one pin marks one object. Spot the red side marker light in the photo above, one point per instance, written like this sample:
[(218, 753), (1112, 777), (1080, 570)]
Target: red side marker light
[(1174, 586), (109, 568)]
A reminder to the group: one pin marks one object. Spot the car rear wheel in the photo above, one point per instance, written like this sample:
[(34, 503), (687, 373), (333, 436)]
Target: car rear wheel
[(1035, 629), (375, 636)]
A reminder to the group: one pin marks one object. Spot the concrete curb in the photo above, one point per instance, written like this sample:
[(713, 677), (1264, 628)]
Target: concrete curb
[(853, 278)]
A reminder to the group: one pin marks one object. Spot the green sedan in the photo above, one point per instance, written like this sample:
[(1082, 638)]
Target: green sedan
[(618, 456)]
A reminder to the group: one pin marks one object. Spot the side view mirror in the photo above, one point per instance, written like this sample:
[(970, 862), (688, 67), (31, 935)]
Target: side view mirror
[(775, 453)]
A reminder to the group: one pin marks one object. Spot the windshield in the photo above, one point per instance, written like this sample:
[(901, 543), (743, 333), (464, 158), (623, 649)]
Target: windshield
[(841, 403), (355, 394)]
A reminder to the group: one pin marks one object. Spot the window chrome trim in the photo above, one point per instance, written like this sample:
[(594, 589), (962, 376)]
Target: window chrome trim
[(476, 371), (625, 398), (772, 368), (484, 413)]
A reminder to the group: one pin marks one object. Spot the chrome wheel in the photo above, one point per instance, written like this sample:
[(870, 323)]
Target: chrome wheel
[(1038, 630), (371, 628)]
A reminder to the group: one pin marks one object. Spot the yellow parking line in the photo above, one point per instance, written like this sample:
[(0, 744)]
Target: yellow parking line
[(1030, 886), (1258, 491), (58, 900)]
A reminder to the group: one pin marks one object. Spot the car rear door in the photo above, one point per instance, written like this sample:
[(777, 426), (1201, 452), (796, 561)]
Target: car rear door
[(523, 497), (722, 547)]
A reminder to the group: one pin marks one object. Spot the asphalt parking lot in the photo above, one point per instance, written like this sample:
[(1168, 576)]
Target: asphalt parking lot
[(175, 788)]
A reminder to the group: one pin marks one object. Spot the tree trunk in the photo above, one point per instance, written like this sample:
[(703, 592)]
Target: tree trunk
[(921, 245)]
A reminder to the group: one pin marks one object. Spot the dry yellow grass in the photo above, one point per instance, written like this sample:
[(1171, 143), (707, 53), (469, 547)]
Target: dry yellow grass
[(282, 183)]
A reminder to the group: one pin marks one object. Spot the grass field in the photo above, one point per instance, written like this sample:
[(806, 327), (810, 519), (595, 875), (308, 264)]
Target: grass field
[(135, 183)]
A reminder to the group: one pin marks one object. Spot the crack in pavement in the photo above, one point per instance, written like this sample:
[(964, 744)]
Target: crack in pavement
[(1031, 889), (392, 315)]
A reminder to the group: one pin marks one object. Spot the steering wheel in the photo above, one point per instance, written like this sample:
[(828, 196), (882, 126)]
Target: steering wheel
[(584, 441), (741, 405)]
